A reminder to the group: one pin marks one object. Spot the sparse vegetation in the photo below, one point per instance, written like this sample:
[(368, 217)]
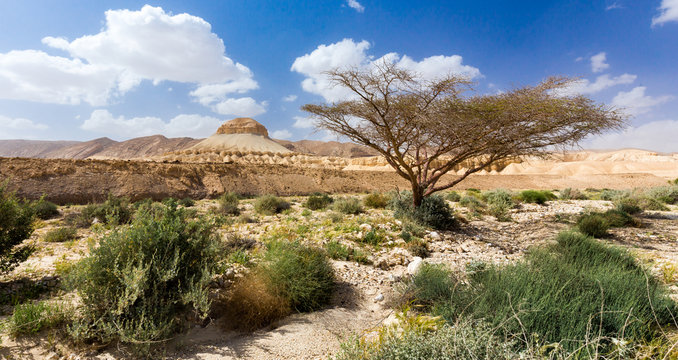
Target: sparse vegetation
[(376, 200), (499, 202), (30, 317), (536, 196), (348, 206), (186, 202), (318, 201), (572, 194), (270, 205), (339, 251), (453, 196), (61, 234), (44, 209), (228, 204)]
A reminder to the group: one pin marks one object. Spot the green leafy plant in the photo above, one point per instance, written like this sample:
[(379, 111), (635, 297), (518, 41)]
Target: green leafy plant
[(499, 202), (318, 201), (31, 318), (136, 284), (270, 205), (536, 196), (16, 220), (348, 206), (61, 234), (433, 211)]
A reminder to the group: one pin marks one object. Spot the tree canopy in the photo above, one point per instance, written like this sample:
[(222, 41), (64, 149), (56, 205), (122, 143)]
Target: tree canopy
[(426, 128)]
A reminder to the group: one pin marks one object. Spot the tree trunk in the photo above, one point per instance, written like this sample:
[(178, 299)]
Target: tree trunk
[(417, 195)]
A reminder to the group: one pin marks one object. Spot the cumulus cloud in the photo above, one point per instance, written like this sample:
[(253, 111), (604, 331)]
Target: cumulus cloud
[(290, 98), (598, 63), (14, 128), (656, 135), (191, 125), (635, 102), (353, 4), (586, 87), (668, 11), (301, 122), (245, 106), (281, 134), (133, 46), (348, 53)]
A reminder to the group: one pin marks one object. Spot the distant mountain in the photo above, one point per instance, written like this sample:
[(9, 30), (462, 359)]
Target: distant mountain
[(105, 148)]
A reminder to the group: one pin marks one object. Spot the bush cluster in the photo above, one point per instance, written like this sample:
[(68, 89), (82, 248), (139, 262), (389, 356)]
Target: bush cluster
[(376, 200), (114, 211), (270, 205), (44, 209), (139, 283), (318, 201), (556, 294), (339, 251), (572, 194), (433, 211), (536, 196), (348, 206), (453, 196), (499, 202), (593, 225), (228, 204), (61, 234), (16, 220)]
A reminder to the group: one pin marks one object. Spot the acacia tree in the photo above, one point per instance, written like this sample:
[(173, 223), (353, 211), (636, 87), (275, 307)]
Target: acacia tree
[(426, 128)]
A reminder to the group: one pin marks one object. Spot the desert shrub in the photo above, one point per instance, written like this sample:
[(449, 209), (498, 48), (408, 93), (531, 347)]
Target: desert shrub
[(411, 341), (114, 211), (499, 203), (376, 200), (618, 218), (674, 181), (348, 206), (301, 275), (270, 205), (186, 202), (306, 213), (433, 211), (44, 209), (339, 251), (557, 293), (474, 204), (453, 196), (644, 203), (30, 318), (16, 220), (318, 201), (432, 284), (61, 234), (415, 229), (141, 281), (536, 196), (373, 237), (612, 195), (418, 247), (335, 217), (250, 303), (572, 194), (629, 206), (235, 241), (228, 203), (593, 225), (665, 194)]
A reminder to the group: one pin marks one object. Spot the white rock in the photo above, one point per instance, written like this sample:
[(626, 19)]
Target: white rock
[(379, 298), (365, 227), (434, 236), (414, 265)]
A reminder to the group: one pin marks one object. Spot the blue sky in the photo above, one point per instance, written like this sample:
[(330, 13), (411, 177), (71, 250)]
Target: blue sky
[(78, 70)]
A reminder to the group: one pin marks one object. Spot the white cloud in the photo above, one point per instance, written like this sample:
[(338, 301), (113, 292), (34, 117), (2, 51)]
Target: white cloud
[(656, 135), (635, 102), (290, 98), (133, 46), (598, 63), (586, 87), (353, 4), (245, 106), (668, 11), (102, 121), (281, 134), (19, 128), (348, 53), (578, 59), (614, 5), (301, 122)]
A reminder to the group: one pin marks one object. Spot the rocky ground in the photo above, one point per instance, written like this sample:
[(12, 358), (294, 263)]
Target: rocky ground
[(363, 290)]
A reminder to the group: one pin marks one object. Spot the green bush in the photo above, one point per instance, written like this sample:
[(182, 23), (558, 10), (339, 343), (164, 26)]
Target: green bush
[(301, 275), (16, 220), (373, 237), (376, 200), (61, 234), (339, 251), (618, 218), (557, 293), (187, 202), (433, 211), (612, 195), (572, 194), (348, 206), (270, 205), (664, 194), (536, 196), (114, 211), (499, 203), (644, 203), (44, 209), (593, 225), (30, 318), (228, 203), (629, 206), (453, 196), (318, 201), (141, 282), (432, 284), (418, 247)]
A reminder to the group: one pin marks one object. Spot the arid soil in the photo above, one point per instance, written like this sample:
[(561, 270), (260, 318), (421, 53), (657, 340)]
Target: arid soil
[(83, 181), (361, 300)]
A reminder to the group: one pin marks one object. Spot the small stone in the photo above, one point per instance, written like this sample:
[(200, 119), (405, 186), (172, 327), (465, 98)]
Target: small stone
[(365, 227), (414, 265), (379, 298), (434, 236)]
